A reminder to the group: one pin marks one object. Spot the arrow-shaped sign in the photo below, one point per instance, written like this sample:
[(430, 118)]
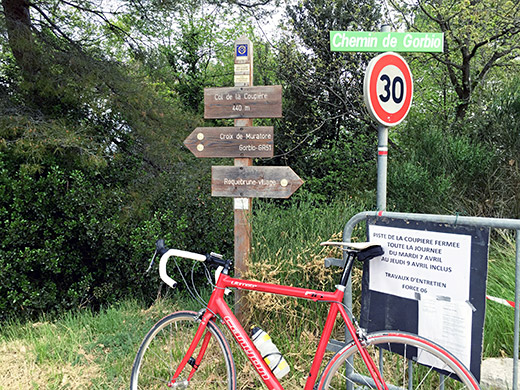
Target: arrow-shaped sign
[(235, 142), (254, 182)]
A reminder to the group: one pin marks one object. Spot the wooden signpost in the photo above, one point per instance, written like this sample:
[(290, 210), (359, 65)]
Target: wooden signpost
[(254, 182), (243, 102), (243, 142), (235, 142), (242, 206)]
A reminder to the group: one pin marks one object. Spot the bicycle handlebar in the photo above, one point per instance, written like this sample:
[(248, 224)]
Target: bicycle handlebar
[(178, 253)]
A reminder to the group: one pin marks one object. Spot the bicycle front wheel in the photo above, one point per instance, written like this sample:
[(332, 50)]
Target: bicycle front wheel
[(406, 361), (165, 346)]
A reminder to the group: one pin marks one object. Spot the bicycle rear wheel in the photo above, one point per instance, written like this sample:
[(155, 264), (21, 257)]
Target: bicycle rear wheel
[(165, 346), (406, 361)]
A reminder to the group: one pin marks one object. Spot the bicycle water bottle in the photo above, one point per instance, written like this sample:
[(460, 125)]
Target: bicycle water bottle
[(271, 355)]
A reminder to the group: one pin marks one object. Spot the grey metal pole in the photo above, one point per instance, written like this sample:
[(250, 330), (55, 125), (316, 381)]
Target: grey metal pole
[(382, 154), (382, 157)]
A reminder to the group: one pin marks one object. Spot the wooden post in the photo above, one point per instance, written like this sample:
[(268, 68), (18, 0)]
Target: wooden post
[(242, 206), (243, 142)]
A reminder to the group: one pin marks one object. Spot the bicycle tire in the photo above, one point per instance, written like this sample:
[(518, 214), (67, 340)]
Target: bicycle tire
[(165, 345), (398, 351)]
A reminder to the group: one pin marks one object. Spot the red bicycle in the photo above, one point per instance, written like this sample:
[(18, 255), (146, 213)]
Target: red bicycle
[(188, 350)]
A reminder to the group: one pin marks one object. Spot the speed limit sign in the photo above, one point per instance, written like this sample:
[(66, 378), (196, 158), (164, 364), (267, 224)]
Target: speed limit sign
[(388, 88)]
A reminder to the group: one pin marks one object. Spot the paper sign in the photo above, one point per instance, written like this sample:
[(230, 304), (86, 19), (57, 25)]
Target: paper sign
[(420, 264), (451, 328)]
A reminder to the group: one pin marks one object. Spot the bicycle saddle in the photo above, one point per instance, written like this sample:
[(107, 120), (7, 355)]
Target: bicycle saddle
[(366, 250)]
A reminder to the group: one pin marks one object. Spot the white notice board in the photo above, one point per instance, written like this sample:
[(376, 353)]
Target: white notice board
[(430, 281), (420, 263)]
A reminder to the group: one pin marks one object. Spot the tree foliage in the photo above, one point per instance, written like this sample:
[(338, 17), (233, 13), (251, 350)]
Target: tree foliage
[(480, 35), (96, 98), (90, 148), (457, 150), (325, 132)]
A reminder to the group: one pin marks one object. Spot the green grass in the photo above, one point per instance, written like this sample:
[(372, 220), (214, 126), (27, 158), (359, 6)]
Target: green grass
[(79, 350), (499, 324), (95, 350)]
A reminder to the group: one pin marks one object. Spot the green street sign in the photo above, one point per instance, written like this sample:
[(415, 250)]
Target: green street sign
[(386, 41)]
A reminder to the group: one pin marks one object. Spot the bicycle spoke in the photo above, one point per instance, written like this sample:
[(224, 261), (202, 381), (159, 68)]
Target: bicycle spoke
[(166, 345), (397, 358)]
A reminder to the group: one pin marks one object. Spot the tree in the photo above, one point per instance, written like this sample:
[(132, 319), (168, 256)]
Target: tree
[(326, 131), (480, 35), (92, 163), (195, 51)]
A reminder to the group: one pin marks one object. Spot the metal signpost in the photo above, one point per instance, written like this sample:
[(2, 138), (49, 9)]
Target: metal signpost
[(243, 142), (387, 88), (388, 84), (388, 91)]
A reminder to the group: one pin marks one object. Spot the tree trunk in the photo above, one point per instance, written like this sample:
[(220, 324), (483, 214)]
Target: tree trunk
[(461, 111), (21, 40)]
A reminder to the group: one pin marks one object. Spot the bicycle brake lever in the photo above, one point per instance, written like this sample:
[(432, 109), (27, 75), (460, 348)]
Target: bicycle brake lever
[(151, 263)]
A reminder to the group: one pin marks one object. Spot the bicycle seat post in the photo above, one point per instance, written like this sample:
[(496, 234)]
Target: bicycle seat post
[(349, 263)]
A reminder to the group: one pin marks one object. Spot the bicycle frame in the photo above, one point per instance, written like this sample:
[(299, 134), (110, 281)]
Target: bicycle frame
[(218, 306)]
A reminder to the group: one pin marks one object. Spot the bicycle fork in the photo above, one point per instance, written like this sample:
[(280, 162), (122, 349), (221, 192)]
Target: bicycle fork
[(188, 358)]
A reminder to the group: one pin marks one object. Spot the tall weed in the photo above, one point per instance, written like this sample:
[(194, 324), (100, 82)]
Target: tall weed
[(286, 250), (499, 324)]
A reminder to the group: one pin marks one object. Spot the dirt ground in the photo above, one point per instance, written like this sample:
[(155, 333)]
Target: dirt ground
[(19, 369)]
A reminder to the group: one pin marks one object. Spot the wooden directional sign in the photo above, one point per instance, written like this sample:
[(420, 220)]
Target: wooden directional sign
[(243, 102), (254, 182), (236, 142)]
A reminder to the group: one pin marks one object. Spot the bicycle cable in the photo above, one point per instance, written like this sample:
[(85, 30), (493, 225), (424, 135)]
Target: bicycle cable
[(193, 295), (208, 277)]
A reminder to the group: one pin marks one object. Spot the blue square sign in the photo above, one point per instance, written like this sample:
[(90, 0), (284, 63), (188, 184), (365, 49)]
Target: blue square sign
[(241, 50)]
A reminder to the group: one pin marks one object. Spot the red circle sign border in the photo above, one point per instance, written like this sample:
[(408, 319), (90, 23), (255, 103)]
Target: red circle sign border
[(377, 111)]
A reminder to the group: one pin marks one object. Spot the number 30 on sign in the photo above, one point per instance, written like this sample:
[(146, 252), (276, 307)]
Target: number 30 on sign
[(388, 89)]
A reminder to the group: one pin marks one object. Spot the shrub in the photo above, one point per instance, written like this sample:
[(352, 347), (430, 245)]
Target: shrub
[(75, 237), (435, 170), (48, 252)]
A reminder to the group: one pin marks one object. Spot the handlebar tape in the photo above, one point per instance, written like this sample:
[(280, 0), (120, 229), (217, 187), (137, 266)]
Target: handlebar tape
[(177, 253)]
